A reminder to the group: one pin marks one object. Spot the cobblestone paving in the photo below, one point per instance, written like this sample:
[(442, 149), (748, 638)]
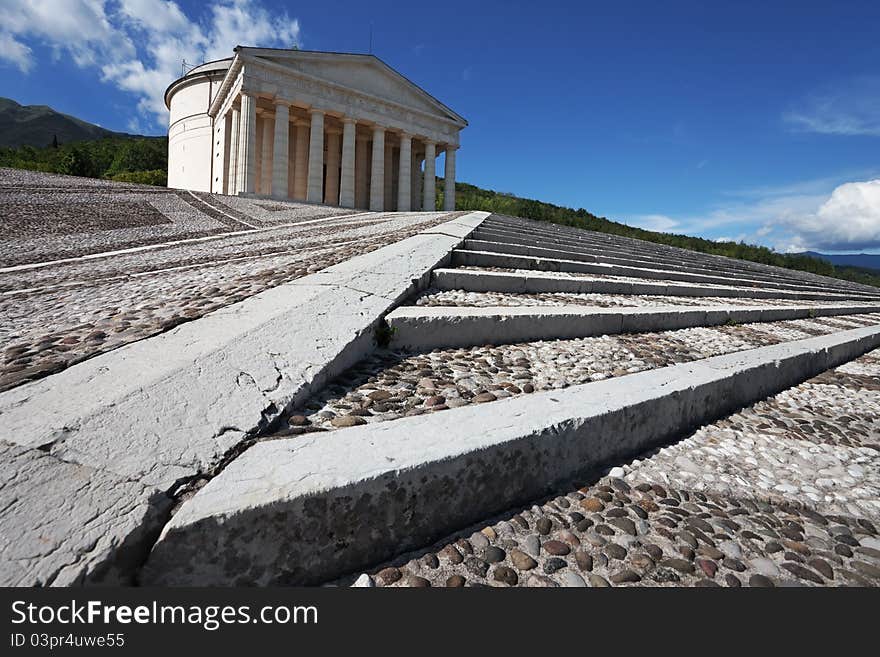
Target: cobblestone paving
[(85, 216), (394, 384), (781, 493), (461, 298), (56, 315)]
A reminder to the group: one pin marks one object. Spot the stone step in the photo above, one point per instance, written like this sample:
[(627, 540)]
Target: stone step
[(627, 246), (654, 250), (504, 233), (465, 258), (421, 328), (537, 282), (521, 245), (309, 509), (640, 257)]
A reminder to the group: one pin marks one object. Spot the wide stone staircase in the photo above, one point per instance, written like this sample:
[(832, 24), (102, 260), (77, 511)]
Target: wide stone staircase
[(556, 407), (480, 299)]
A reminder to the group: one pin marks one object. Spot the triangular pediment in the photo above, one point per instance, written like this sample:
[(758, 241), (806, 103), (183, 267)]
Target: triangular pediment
[(363, 73)]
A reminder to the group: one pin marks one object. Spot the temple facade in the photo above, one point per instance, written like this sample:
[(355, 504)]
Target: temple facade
[(334, 128)]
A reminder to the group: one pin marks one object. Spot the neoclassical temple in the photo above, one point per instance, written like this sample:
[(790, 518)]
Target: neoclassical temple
[(335, 128)]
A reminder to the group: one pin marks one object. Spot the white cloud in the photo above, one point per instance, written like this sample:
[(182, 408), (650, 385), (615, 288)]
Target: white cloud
[(849, 108), (848, 219), (139, 45), (75, 28), (15, 52), (657, 222), (247, 23), (732, 215), (155, 15), (791, 218)]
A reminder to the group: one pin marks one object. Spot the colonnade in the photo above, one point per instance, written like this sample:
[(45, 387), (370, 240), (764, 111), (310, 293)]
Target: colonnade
[(336, 160)]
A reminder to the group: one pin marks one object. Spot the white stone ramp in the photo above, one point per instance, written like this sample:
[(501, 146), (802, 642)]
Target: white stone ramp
[(64, 524), (428, 327), (303, 510), (159, 412)]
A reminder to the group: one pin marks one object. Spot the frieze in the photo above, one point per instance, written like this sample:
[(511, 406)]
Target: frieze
[(328, 97)]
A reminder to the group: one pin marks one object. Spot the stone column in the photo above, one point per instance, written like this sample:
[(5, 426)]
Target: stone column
[(362, 161), (430, 190), (377, 172), (331, 193), (316, 158), (232, 170), (416, 175), (301, 160), (258, 148), (419, 180), (280, 150), (388, 199), (266, 156), (404, 183), (449, 179), (247, 145), (346, 183), (221, 153)]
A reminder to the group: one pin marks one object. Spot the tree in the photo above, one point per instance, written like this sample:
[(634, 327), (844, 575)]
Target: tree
[(138, 155)]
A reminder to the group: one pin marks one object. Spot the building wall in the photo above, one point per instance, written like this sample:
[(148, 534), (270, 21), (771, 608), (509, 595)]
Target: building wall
[(190, 139)]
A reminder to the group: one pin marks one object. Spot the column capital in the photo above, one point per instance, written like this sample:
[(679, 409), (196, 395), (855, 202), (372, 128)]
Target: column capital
[(348, 119), (313, 111), (451, 147), (278, 102)]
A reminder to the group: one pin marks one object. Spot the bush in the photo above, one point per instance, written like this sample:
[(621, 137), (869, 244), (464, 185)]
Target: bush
[(157, 177)]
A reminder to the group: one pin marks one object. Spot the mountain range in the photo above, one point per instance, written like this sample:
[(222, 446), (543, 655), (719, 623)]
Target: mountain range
[(36, 125), (863, 260)]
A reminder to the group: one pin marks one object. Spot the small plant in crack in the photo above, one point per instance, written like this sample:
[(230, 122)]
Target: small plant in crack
[(384, 334)]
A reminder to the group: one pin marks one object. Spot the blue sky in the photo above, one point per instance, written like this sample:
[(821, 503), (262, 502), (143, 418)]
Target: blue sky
[(742, 120)]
